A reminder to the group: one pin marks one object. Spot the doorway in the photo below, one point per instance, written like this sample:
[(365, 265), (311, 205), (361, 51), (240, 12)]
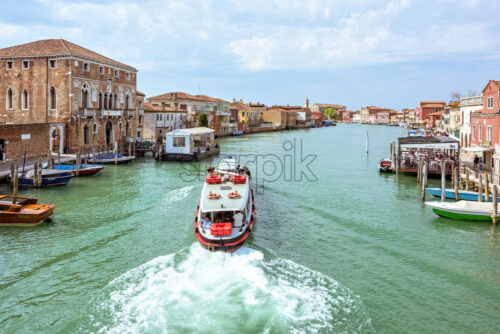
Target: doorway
[(109, 133)]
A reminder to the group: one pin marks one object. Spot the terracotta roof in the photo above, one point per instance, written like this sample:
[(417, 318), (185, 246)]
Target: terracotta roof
[(57, 47), (148, 108), (178, 96), (432, 103), (211, 99), (238, 105), (140, 93), (324, 105)]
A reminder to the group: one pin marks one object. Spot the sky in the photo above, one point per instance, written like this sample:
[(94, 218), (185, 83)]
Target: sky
[(388, 53)]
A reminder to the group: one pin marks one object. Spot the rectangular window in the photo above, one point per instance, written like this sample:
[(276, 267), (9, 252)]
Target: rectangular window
[(26, 64), (9, 65), (86, 67), (183, 107), (474, 132), (52, 63), (101, 70), (490, 102), (116, 73), (480, 133), (488, 133), (127, 75), (179, 142)]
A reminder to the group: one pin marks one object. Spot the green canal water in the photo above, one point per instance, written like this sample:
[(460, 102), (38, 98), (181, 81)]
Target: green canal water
[(336, 248)]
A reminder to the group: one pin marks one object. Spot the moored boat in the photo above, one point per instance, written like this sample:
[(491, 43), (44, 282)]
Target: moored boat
[(237, 133), (109, 159), (463, 210), (462, 194), (385, 166), (23, 211), (225, 215), (82, 169), (50, 177)]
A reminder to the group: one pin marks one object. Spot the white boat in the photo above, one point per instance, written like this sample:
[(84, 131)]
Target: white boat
[(225, 215), (385, 166), (463, 210)]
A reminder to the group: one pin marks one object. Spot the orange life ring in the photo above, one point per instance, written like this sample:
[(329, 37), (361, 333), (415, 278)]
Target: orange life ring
[(234, 195), (213, 196)]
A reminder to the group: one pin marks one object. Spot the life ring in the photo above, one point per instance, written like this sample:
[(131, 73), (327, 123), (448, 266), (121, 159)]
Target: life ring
[(234, 195), (213, 196)]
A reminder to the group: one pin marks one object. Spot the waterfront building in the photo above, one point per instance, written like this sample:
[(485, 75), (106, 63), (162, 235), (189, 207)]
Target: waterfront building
[(317, 118), (60, 97), (425, 108), (384, 116), (321, 107), (485, 125), (356, 117), (348, 115), (368, 115), (249, 114), (409, 115), (275, 116), (159, 120), (140, 117), (302, 117), (467, 106), (450, 122), (189, 144)]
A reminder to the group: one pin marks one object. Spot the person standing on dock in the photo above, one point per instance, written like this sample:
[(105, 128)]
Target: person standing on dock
[(476, 161), (480, 164)]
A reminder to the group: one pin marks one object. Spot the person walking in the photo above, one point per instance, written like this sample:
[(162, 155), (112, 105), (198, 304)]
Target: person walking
[(476, 161), (480, 164)]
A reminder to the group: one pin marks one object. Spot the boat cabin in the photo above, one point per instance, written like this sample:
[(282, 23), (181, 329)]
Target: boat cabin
[(189, 141), (433, 150)]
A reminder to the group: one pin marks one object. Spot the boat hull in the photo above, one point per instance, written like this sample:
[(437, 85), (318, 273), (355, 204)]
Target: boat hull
[(462, 195), (46, 181), (26, 217), (461, 216), (83, 170)]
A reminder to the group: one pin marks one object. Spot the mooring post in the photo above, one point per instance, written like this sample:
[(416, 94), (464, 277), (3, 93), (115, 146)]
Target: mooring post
[(495, 204), (443, 180), (40, 173), (12, 171), (424, 180), (59, 156), (486, 187), (456, 183), (467, 179), (480, 189), (16, 180), (77, 163)]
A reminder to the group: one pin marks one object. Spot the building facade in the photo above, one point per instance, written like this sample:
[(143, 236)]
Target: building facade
[(425, 108), (57, 96), (468, 105)]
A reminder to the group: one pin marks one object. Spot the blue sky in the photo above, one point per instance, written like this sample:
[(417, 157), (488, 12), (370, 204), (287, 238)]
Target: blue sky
[(390, 53)]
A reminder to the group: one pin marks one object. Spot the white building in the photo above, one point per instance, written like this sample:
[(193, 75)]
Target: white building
[(467, 106), (189, 141), (356, 117)]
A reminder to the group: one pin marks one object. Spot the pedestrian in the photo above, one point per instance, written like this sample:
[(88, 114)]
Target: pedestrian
[(481, 164), (476, 161)]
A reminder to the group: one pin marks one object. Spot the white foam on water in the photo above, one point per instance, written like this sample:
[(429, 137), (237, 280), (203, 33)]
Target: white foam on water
[(178, 194), (198, 291)]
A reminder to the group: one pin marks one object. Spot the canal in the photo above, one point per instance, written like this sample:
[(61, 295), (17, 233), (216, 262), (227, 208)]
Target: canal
[(337, 247)]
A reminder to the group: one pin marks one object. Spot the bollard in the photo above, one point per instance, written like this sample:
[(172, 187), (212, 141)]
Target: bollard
[(456, 182), (443, 180), (495, 204)]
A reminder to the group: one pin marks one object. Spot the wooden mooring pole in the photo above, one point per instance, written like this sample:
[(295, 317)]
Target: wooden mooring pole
[(425, 170), (494, 212), (443, 180), (467, 179), (480, 189), (486, 187), (16, 179)]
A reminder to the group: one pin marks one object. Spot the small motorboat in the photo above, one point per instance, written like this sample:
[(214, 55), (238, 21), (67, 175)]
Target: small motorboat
[(385, 166), (82, 169), (463, 210), (23, 211), (110, 159), (237, 133), (462, 194), (227, 201), (50, 177)]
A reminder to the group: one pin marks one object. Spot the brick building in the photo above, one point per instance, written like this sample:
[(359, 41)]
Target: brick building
[(425, 108), (58, 96)]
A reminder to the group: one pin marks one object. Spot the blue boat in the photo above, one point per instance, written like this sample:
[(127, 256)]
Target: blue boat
[(109, 158), (50, 177), (82, 169), (462, 194)]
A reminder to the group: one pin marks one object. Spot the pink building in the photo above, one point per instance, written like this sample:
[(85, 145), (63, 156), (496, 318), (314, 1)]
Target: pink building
[(425, 108), (485, 124)]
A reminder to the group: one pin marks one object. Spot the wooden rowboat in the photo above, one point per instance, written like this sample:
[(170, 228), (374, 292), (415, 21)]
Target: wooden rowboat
[(23, 211), (463, 210), (462, 194)]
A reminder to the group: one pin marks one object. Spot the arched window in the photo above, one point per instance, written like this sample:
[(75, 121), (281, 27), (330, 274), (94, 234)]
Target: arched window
[(94, 128), (127, 101), (106, 101), (10, 99), (85, 134), (53, 98), (116, 101), (100, 101), (110, 106), (85, 96), (24, 100)]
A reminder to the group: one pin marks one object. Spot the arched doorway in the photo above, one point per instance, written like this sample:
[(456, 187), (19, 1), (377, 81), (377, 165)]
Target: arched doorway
[(86, 135), (109, 133)]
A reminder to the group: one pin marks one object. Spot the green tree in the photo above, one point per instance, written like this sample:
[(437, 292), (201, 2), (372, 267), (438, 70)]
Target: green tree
[(202, 120), (331, 113)]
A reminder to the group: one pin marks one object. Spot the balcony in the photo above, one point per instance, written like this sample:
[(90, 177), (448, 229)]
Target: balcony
[(141, 112), (110, 113), (87, 113), (130, 113)]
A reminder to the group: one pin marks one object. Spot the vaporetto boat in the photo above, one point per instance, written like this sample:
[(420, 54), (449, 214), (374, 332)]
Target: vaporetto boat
[(225, 215), (463, 210)]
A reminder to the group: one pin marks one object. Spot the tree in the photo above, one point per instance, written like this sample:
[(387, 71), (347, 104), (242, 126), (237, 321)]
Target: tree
[(472, 92), (331, 113), (455, 95), (202, 120)]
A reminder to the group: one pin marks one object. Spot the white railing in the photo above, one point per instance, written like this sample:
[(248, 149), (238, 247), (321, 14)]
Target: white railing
[(111, 113), (87, 113), (130, 113)]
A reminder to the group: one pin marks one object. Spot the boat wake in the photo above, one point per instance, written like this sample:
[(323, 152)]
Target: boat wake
[(197, 291), (178, 194)]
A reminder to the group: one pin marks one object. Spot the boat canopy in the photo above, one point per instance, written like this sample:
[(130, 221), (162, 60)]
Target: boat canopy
[(437, 142)]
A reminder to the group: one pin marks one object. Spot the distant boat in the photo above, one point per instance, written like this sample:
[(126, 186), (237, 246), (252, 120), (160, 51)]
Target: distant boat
[(463, 210), (50, 177), (23, 211), (462, 194), (237, 133), (82, 169), (109, 159), (385, 166)]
